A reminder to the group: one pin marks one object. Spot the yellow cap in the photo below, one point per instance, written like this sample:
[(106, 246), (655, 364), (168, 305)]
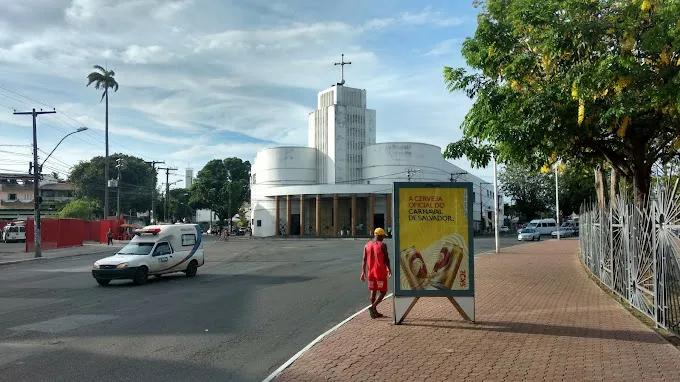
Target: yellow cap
[(380, 232)]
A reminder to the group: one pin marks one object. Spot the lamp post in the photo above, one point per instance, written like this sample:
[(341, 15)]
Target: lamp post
[(557, 201), (37, 170), (495, 204)]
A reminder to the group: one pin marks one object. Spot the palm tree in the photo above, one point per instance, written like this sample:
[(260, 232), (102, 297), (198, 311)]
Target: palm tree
[(103, 79)]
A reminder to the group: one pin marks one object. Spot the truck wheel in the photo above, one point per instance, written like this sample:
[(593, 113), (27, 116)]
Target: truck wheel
[(103, 281), (141, 276), (192, 268)]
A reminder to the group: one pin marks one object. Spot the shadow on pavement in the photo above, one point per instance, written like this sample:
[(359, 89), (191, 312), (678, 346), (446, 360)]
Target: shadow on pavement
[(542, 329)]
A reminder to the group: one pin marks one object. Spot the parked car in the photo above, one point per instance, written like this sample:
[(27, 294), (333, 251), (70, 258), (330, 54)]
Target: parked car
[(504, 229), (529, 234), (565, 230)]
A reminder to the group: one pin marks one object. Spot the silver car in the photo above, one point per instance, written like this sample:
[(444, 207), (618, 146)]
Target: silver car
[(529, 234)]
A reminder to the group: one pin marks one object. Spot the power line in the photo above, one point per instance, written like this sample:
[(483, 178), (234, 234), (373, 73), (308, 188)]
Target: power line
[(30, 99)]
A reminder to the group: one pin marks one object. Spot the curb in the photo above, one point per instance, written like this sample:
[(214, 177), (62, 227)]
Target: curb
[(10, 262), (318, 339)]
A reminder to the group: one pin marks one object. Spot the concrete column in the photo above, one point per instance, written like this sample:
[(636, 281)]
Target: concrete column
[(277, 218), (371, 214), (336, 215), (289, 209), (354, 215), (302, 215), (388, 211), (318, 215)]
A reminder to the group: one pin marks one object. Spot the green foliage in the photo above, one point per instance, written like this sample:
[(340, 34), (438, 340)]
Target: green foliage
[(533, 192), (178, 206), (530, 191), (212, 188), (80, 209), (586, 81), (103, 80), (136, 182), (576, 186)]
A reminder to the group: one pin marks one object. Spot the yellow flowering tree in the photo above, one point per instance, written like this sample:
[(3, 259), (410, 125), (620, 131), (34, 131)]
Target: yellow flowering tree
[(595, 81)]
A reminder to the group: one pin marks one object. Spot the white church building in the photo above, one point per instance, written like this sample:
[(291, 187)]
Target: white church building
[(341, 183)]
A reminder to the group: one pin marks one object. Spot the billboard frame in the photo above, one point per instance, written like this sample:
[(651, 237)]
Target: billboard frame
[(404, 300)]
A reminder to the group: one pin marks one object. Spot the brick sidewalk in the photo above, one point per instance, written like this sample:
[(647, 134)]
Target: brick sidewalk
[(539, 318)]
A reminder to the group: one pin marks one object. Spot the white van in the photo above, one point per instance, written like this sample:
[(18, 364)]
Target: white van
[(544, 226), (14, 232), (155, 250)]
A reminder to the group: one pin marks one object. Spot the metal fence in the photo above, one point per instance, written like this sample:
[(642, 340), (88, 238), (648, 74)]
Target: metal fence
[(633, 248)]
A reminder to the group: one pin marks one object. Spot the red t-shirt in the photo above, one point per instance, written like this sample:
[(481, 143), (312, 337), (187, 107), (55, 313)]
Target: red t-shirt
[(375, 259)]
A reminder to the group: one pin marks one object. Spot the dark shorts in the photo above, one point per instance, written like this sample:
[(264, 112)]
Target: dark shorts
[(379, 284)]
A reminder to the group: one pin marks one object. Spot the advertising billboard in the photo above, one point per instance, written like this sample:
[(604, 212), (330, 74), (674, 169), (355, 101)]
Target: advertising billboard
[(433, 240)]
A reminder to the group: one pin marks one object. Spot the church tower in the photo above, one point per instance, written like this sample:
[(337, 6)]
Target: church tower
[(340, 128)]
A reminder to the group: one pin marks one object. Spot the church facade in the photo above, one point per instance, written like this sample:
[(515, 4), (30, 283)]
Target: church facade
[(341, 183)]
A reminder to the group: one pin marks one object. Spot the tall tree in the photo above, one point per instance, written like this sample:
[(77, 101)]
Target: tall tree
[(216, 190), (580, 80), (103, 80), (530, 191), (136, 180)]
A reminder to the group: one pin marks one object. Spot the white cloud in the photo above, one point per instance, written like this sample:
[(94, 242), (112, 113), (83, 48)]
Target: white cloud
[(186, 72), (444, 47), (135, 54), (425, 17)]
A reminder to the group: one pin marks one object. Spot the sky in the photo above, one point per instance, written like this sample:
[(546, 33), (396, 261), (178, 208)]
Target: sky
[(209, 79)]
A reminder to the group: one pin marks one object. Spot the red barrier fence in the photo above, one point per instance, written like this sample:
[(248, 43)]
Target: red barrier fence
[(62, 233), (56, 233), (3, 223)]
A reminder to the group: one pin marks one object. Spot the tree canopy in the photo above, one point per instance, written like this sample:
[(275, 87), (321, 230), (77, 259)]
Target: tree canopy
[(136, 182), (585, 81), (529, 191), (533, 192), (79, 209), (213, 187)]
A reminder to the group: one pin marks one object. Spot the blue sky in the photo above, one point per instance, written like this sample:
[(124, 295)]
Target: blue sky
[(205, 79)]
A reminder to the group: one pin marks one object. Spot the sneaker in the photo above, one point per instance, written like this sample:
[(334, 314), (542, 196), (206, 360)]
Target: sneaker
[(372, 312)]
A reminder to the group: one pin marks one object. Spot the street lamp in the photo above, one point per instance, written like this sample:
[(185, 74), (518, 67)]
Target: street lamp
[(80, 129), (37, 169)]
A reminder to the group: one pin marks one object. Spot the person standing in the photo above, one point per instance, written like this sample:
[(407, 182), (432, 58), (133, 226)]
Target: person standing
[(109, 237), (377, 260)]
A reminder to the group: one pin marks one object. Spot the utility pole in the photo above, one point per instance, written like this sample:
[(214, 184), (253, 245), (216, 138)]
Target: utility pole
[(37, 170), (119, 166), (167, 187), (496, 229), (557, 203), (411, 172), (456, 175), (153, 189), (229, 208)]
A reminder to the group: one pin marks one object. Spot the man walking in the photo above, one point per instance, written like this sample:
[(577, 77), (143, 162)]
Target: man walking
[(378, 262), (109, 237)]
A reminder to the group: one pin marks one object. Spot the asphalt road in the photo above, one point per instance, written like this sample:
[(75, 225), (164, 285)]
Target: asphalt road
[(251, 307)]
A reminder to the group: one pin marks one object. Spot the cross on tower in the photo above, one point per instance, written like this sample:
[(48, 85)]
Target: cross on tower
[(342, 64)]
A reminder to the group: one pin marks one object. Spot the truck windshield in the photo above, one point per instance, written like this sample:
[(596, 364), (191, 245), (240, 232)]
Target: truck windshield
[(136, 249), (531, 225)]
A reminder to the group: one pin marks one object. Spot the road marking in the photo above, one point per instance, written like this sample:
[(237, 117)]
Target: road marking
[(306, 348)]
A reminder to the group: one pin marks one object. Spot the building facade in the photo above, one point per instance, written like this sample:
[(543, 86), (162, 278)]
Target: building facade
[(341, 183), (16, 195)]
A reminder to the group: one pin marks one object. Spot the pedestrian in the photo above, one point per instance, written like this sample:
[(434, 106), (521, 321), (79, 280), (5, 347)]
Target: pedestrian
[(377, 260), (109, 237)]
